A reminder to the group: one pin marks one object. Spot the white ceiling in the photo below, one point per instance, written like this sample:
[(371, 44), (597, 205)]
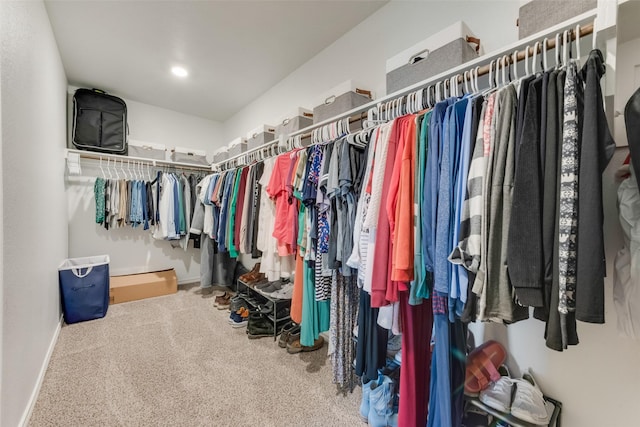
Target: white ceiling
[(234, 50)]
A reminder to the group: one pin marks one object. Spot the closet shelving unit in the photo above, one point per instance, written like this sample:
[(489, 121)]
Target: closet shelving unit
[(278, 304), (126, 161), (585, 20)]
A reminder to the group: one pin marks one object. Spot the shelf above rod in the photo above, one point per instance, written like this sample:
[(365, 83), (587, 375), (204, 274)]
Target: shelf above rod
[(128, 159)]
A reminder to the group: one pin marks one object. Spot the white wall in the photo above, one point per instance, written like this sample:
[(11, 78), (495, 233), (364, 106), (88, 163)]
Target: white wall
[(361, 54), (597, 380), (34, 209), (134, 250)]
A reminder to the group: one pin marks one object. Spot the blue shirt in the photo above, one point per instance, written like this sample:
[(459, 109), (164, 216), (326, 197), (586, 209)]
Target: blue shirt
[(432, 178), (462, 159)]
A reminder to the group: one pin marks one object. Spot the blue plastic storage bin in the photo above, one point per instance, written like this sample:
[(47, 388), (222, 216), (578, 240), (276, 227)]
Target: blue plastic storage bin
[(84, 288)]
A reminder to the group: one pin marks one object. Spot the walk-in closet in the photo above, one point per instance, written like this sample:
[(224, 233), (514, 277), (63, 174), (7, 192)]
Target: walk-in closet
[(319, 213)]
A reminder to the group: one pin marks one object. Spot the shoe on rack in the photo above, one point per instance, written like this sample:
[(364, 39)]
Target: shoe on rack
[(260, 333), (238, 301), (246, 277), (295, 346), (528, 401), (261, 284), (266, 308), (283, 313), (273, 287), (286, 293), (265, 329), (498, 395), (259, 278)]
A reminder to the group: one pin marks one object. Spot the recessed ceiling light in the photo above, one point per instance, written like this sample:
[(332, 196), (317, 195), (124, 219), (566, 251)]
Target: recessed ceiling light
[(179, 71)]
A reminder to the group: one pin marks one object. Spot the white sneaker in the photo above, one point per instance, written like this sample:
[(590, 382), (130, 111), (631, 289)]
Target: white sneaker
[(398, 357), (498, 394), (528, 403)]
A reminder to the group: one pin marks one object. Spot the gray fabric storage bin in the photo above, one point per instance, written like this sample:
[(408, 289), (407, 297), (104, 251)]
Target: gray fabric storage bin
[(334, 106), (294, 124), (192, 157), (238, 148), (220, 157), (147, 151), (538, 15), (434, 62), (258, 139)]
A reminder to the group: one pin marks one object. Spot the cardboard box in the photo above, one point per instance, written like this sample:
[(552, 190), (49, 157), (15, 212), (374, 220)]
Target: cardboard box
[(132, 287)]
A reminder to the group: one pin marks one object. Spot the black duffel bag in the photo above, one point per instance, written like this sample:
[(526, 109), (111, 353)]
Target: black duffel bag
[(99, 122)]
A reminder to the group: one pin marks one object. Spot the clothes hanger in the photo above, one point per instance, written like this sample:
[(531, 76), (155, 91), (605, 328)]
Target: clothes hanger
[(476, 86), (104, 176), (558, 52), (594, 35), (534, 64), (491, 87), (543, 59), (466, 81), (507, 66), (577, 42), (514, 64), (565, 53)]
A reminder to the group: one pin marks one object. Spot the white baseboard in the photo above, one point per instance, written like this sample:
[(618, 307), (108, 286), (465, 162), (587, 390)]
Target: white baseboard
[(43, 370)]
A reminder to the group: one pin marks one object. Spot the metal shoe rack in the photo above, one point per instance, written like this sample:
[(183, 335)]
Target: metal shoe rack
[(553, 407), (261, 299)]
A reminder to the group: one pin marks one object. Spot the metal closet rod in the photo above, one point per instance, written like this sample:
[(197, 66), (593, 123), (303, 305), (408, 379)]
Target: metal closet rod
[(585, 30)]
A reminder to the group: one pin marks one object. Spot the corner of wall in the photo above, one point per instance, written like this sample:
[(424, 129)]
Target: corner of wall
[(26, 416)]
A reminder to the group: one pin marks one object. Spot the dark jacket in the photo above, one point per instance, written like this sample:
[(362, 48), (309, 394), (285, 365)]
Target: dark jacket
[(596, 151)]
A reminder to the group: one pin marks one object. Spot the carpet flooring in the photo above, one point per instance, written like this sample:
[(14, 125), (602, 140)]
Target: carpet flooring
[(174, 361)]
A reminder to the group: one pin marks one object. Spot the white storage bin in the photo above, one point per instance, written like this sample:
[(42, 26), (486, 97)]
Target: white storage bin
[(260, 135), (189, 155), (294, 121), (442, 51), (340, 99), (147, 150), (221, 155), (538, 15), (237, 146)]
